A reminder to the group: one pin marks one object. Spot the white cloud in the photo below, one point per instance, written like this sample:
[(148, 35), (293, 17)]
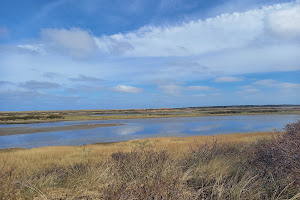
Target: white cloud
[(127, 89), (195, 37), (277, 84), (76, 42), (199, 88), (226, 45), (266, 83), (177, 89), (228, 79), (37, 49), (226, 31), (246, 89), (285, 22), (290, 85), (171, 89)]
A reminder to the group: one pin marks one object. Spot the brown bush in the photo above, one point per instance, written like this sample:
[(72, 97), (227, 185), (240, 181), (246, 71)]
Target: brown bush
[(280, 155), (277, 161)]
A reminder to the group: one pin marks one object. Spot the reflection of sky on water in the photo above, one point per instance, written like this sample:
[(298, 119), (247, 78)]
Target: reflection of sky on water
[(206, 127), (145, 128), (129, 129)]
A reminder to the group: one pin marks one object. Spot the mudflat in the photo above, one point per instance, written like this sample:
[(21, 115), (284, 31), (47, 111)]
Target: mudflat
[(26, 130)]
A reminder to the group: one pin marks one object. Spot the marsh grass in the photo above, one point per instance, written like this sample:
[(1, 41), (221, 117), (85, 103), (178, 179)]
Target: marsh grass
[(237, 166)]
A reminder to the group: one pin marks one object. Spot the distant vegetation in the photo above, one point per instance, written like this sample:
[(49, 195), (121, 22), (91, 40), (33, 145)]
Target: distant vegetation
[(70, 115), (240, 166), (31, 117)]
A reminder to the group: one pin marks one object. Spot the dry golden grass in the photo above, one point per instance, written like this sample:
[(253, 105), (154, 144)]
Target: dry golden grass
[(47, 156), (157, 168)]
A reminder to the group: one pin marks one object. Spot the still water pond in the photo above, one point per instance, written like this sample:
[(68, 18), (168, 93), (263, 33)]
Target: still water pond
[(145, 128)]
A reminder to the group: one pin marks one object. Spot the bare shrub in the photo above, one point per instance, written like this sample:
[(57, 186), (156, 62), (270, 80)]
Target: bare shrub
[(144, 174), (281, 154), (277, 161)]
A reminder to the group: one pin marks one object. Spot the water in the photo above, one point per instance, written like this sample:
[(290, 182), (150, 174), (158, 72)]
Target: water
[(145, 128)]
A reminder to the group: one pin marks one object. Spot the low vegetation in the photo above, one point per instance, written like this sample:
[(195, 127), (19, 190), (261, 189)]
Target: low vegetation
[(237, 166), (31, 117), (71, 115)]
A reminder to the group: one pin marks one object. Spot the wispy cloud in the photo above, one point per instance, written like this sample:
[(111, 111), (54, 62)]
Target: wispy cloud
[(85, 88), (32, 48), (50, 75), (171, 89), (199, 88), (39, 85), (277, 84), (84, 78), (76, 42), (127, 89), (248, 89), (5, 83), (174, 89), (266, 83), (228, 79), (261, 85)]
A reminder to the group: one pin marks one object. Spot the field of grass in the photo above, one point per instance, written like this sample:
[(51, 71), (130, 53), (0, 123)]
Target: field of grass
[(236, 166), (71, 115)]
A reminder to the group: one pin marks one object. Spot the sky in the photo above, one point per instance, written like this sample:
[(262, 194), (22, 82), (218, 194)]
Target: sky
[(117, 54)]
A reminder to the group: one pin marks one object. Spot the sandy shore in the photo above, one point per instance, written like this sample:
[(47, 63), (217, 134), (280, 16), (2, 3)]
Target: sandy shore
[(25, 130)]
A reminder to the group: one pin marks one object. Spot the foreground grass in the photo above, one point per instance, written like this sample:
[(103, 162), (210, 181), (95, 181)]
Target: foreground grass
[(237, 166)]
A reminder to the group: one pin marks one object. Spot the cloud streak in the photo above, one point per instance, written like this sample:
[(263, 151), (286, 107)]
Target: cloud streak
[(173, 89), (39, 85), (228, 79), (84, 78), (277, 84), (127, 89)]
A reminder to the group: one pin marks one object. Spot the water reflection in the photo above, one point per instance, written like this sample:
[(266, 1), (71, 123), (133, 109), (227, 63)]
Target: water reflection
[(126, 130), (206, 128), (145, 128)]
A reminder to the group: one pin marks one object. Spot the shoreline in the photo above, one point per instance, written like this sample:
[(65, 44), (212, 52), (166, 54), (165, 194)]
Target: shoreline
[(27, 130)]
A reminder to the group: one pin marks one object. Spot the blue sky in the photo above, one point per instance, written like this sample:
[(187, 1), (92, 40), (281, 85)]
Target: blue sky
[(97, 54)]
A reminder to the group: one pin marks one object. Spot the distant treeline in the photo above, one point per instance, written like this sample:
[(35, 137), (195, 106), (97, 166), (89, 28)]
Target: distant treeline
[(247, 106), (28, 117), (237, 112)]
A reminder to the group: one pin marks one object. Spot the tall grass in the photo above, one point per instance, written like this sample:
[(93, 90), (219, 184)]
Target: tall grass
[(238, 166)]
